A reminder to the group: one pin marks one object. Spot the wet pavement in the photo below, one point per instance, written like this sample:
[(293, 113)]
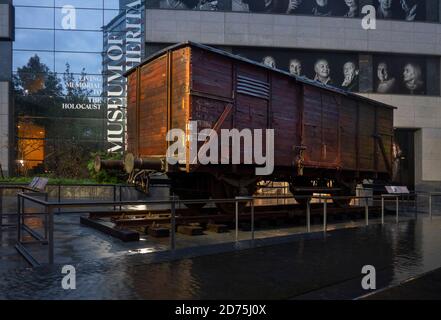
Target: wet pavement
[(301, 266), (75, 243), (425, 287)]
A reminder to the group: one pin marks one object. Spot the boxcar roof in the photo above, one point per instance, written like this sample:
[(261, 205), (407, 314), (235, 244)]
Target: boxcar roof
[(260, 65)]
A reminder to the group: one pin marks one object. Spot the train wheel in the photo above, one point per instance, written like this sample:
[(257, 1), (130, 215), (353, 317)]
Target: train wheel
[(346, 191), (192, 196), (342, 203), (193, 187), (299, 195)]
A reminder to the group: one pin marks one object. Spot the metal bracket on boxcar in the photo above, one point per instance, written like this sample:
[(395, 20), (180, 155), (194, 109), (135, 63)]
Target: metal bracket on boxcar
[(299, 159)]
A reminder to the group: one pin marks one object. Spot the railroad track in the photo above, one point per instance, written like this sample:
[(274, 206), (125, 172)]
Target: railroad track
[(293, 212)]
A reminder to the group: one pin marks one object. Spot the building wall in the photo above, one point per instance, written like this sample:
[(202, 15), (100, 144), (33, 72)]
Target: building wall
[(288, 31), (423, 113), (6, 36), (5, 20), (74, 58), (4, 126)]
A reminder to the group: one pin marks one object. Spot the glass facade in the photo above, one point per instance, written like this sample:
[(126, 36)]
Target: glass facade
[(69, 57), (69, 91)]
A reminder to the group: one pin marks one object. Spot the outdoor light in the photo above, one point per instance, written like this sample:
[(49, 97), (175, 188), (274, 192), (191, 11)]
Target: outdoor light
[(142, 251)]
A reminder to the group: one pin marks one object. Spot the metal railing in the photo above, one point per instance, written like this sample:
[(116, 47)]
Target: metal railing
[(50, 207), (48, 237), (21, 188), (431, 196)]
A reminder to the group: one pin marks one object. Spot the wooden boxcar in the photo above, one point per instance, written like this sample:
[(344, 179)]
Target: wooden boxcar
[(325, 138)]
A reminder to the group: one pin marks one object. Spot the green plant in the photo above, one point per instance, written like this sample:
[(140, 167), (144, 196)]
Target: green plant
[(52, 181)]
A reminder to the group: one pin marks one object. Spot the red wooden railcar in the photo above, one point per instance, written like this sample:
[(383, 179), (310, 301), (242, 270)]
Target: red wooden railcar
[(324, 137)]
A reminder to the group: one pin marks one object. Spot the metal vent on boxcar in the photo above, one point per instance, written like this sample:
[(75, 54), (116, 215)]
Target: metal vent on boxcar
[(253, 87)]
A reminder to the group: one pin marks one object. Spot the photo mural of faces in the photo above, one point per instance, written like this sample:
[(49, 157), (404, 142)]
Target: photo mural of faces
[(347, 8), (337, 69), (208, 5), (409, 10), (391, 74), (395, 74)]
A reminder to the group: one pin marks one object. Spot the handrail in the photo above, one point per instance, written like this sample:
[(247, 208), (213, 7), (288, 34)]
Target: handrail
[(221, 200), (173, 201)]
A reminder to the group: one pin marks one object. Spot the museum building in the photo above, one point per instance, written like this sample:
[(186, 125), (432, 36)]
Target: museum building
[(62, 64)]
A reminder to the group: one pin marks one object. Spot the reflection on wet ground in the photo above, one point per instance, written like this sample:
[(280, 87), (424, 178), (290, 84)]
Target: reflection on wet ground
[(290, 267), (425, 287)]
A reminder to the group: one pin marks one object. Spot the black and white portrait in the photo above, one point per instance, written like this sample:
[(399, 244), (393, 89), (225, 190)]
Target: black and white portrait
[(411, 8), (384, 9), (322, 72), (269, 61), (253, 5), (210, 5), (386, 74), (412, 78), (295, 67), (332, 68), (352, 8), (321, 8), (239, 5), (400, 74), (293, 5), (179, 4), (386, 83), (350, 73)]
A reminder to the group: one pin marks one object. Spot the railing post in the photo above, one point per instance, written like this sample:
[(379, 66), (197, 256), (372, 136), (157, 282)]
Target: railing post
[(382, 209), (237, 220), (18, 218), (120, 196), (51, 234), (366, 212), (1, 208), (173, 224), (308, 215), (324, 214), (430, 206), (252, 219), (416, 205), (46, 218), (59, 197), (114, 197), (407, 202), (396, 208), (22, 206)]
